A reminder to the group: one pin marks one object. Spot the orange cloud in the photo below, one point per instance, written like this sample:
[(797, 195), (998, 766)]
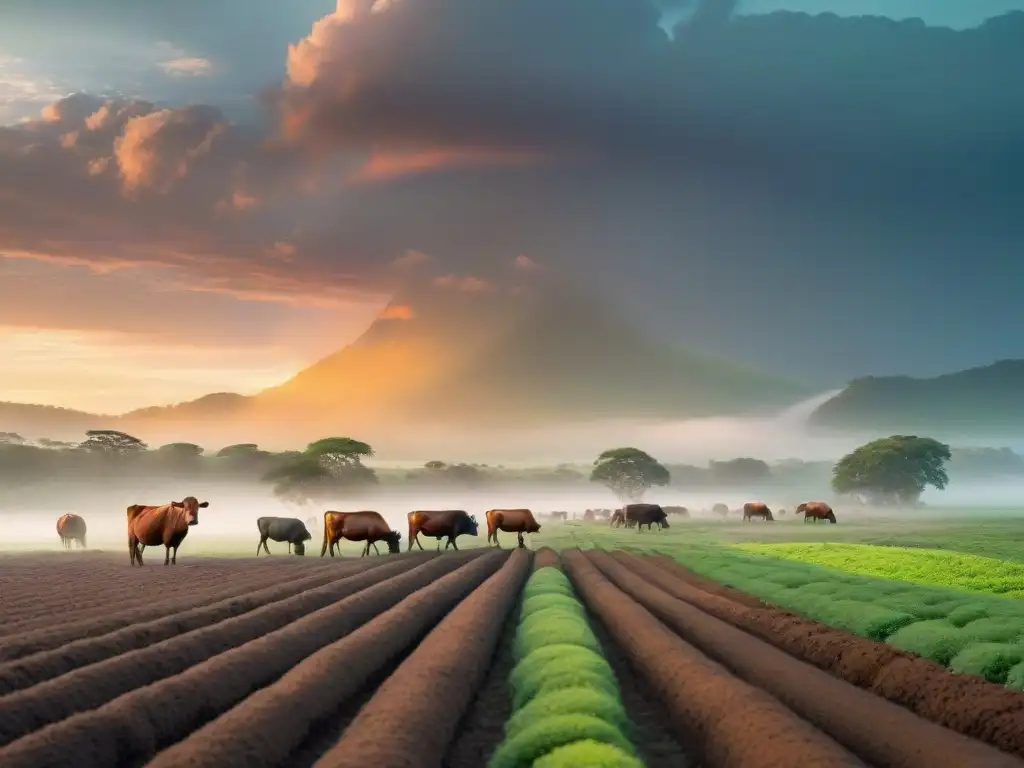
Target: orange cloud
[(467, 283), (524, 262), (189, 66), (397, 312), (385, 166)]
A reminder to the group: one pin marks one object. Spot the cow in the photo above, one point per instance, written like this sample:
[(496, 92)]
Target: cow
[(721, 510), (681, 512), (167, 525), (71, 529), (518, 521), (813, 511), (757, 509), (645, 514), (618, 519), (289, 529), (590, 516), (367, 526), (438, 523)]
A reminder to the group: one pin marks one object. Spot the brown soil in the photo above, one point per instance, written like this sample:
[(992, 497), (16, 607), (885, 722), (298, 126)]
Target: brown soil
[(877, 730), (546, 557), (266, 728), (132, 727), (483, 727), (963, 703), (411, 721), (653, 735), (734, 724)]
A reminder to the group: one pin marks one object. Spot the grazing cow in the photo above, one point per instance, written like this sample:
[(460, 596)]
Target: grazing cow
[(366, 526), (167, 525), (682, 512), (721, 510), (757, 509), (645, 514), (618, 519), (518, 521), (289, 529), (813, 511), (71, 529), (438, 523)]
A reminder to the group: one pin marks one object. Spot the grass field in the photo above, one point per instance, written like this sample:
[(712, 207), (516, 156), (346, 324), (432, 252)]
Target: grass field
[(922, 566)]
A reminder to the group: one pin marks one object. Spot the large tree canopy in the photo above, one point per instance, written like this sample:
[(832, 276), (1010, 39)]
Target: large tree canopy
[(892, 470), (629, 472)]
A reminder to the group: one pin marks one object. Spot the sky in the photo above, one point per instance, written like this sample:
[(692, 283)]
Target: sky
[(200, 197)]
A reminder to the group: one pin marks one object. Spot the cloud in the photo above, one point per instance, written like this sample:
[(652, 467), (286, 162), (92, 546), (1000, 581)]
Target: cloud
[(411, 260), (397, 312), (467, 283), (192, 66), (525, 263)]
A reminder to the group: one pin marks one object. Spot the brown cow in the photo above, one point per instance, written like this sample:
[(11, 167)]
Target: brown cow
[(618, 519), (813, 511), (167, 525), (71, 529), (757, 509), (438, 523), (366, 526), (518, 521)]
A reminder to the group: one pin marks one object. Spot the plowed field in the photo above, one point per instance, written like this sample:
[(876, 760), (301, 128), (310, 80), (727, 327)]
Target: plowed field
[(413, 660)]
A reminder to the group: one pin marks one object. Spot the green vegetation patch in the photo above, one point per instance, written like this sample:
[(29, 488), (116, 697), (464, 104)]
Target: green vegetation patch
[(970, 632), (921, 566), (567, 708), (590, 753)]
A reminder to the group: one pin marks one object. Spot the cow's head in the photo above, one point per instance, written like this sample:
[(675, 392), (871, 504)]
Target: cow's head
[(533, 527), (394, 539), (470, 525), (299, 548), (191, 507)]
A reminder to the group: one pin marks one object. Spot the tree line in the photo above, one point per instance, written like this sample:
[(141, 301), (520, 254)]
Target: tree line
[(892, 470)]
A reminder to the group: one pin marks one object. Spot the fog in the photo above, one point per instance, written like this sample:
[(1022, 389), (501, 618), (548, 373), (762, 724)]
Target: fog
[(28, 514), (770, 437)]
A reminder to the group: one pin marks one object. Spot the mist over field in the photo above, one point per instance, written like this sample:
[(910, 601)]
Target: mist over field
[(800, 462)]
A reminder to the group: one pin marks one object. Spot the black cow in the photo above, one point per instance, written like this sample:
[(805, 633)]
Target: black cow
[(288, 529), (646, 514)]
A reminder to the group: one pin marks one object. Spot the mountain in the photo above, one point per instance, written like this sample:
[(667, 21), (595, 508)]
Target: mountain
[(463, 354), (987, 400)]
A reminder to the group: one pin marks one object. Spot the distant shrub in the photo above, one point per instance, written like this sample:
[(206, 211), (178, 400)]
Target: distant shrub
[(592, 754)]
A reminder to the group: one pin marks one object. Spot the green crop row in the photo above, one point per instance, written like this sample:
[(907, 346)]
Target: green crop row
[(970, 633), (923, 566), (566, 708)]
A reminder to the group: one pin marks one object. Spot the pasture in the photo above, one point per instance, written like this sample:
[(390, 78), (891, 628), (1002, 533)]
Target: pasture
[(612, 648)]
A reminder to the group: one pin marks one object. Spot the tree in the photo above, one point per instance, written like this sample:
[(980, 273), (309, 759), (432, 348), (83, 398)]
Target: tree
[(435, 466), (11, 438), (629, 473), (112, 443), (180, 457), (893, 469), (300, 482), (339, 453)]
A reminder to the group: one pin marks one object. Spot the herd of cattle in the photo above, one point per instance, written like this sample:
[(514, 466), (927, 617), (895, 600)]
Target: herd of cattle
[(168, 524)]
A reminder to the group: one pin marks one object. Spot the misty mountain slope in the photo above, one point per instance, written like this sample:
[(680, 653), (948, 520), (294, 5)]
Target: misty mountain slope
[(987, 399), (559, 353)]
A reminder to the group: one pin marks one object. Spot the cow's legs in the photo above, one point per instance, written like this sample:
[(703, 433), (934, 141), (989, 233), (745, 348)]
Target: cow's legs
[(265, 547), (366, 549), (174, 556), (451, 540), (375, 550), (138, 552), (522, 544), (131, 549), (258, 545), (167, 553)]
